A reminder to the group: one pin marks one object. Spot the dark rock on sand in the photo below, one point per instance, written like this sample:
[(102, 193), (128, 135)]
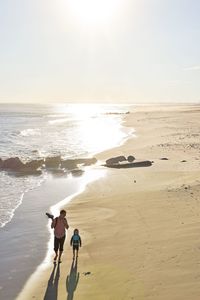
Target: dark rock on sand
[(130, 158), (138, 164), (77, 172), (35, 164), (68, 164), (71, 164), (58, 172), (26, 172), (52, 161), (18, 168), (12, 163), (87, 273), (164, 158), (115, 160)]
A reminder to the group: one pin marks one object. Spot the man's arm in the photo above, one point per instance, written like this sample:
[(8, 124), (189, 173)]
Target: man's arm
[(80, 241), (53, 223), (66, 224)]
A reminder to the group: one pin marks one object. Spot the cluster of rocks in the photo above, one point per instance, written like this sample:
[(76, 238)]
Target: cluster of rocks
[(34, 167), (118, 159), (129, 162)]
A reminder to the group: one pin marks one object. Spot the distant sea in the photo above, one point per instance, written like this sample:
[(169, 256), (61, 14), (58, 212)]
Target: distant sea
[(37, 131)]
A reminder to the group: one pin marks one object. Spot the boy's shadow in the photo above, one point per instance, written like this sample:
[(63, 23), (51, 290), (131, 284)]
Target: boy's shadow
[(52, 287), (72, 280)]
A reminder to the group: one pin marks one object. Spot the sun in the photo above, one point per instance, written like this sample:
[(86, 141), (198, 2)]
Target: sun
[(93, 12)]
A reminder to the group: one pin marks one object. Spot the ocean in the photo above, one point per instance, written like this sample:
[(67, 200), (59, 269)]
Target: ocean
[(38, 131)]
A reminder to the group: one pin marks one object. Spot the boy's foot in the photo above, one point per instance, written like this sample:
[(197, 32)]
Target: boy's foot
[(59, 261)]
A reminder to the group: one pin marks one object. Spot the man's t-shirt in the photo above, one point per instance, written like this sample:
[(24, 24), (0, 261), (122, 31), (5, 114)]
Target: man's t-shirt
[(60, 225)]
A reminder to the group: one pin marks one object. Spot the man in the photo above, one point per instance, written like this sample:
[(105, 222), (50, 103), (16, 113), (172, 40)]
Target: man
[(59, 224)]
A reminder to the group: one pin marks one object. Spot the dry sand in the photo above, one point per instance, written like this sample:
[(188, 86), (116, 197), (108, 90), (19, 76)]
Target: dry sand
[(140, 226)]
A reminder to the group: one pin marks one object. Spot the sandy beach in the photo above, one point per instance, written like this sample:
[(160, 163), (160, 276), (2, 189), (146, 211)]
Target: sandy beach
[(139, 226)]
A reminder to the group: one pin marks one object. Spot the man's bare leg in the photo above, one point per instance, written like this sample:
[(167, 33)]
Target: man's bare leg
[(56, 255), (59, 258)]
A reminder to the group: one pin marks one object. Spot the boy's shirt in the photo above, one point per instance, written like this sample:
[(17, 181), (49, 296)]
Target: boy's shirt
[(75, 240)]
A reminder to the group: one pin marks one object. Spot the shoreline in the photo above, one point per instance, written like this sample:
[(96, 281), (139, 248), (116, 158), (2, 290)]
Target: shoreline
[(99, 172), (41, 253), (164, 223)]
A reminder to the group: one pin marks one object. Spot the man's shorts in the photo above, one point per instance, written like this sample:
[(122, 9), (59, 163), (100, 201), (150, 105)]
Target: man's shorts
[(58, 243)]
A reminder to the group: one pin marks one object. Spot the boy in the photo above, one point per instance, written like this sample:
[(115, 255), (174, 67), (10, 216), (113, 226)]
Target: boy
[(75, 242)]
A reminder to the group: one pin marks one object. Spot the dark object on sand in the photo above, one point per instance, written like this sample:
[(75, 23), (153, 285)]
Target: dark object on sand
[(138, 164), (115, 160), (50, 216), (86, 273), (35, 164), (164, 158), (54, 164), (18, 168), (52, 161), (77, 172), (130, 158), (12, 163), (26, 172), (71, 164)]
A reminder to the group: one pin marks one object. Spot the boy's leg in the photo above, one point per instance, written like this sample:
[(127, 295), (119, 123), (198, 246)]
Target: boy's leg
[(76, 250)]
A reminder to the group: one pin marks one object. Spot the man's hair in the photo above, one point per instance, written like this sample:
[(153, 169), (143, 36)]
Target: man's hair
[(63, 211)]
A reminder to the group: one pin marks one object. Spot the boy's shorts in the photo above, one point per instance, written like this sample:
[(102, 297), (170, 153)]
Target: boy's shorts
[(76, 247)]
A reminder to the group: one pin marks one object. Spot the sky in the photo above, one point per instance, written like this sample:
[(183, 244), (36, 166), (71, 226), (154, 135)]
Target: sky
[(105, 51)]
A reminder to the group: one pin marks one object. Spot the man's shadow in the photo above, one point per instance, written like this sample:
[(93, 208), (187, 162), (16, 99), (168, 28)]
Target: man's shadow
[(72, 280), (52, 287)]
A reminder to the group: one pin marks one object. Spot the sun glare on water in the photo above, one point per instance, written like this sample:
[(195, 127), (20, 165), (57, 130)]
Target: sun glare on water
[(93, 12), (98, 129)]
